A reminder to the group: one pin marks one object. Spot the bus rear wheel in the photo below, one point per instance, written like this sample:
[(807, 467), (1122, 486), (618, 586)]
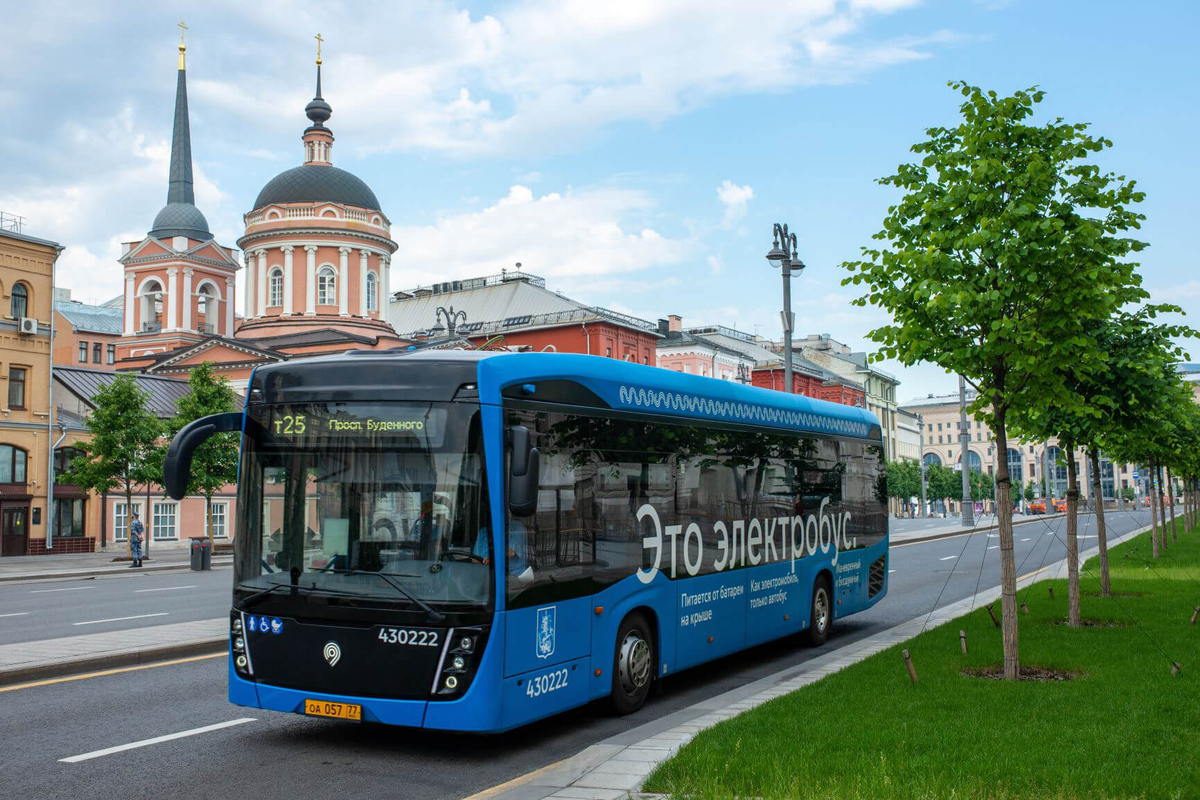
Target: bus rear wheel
[(820, 620), (633, 664)]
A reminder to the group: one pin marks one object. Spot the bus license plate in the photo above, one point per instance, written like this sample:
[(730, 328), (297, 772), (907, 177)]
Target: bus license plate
[(320, 708)]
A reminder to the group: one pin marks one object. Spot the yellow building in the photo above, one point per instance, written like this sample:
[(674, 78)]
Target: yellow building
[(26, 437)]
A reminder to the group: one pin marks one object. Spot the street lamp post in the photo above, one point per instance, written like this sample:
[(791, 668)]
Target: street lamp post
[(787, 259), (964, 436), (921, 455)]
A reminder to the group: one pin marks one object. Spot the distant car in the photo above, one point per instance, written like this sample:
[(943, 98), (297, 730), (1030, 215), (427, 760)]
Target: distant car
[(1037, 506), (1060, 505)]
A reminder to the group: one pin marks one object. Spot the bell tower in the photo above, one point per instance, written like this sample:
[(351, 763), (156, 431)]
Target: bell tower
[(179, 283)]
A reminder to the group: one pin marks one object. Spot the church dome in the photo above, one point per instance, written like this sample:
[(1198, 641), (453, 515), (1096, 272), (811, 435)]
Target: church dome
[(180, 219), (317, 183)]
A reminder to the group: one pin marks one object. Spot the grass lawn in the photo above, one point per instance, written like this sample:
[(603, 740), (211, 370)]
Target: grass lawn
[(1124, 728)]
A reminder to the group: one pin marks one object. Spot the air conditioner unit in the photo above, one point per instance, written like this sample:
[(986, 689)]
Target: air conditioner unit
[(27, 325)]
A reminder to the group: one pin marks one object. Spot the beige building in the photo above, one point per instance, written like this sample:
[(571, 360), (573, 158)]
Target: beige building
[(908, 435), (1027, 461), (26, 436)]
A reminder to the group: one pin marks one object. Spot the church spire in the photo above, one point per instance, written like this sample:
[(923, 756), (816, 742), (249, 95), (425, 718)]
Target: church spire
[(318, 140), (180, 190), (180, 217)]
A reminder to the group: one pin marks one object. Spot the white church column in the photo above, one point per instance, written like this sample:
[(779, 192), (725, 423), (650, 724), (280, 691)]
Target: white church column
[(129, 299), (310, 286), (187, 297), (248, 310), (363, 311), (385, 292), (171, 300), (344, 282), (229, 306), (261, 291), (287, 279)]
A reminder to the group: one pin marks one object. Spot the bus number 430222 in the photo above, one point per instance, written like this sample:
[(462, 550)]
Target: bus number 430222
[(409, 637), (544, 684)]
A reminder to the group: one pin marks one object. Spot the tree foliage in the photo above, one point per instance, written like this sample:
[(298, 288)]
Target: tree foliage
[(215, 462)]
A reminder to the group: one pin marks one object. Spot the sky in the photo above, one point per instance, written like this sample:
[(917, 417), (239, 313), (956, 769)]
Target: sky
[(635, 154)]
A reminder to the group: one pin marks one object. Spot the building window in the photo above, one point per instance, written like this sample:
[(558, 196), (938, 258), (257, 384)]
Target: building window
[(97, 352), (372, 292), (83, 351), (219, 531), (275, 287), (20, 301), (68, 518), (940, 439), (1030, 449), (326, 287), (63, 457), (164, 521), (16, 387), (121, 520), (12, 464), (608, 352), (112, 354)]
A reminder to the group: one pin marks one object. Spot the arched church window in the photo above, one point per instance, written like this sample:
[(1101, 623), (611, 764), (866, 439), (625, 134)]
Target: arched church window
[(372, 292), (326, 287), (275, 290), (20, 300), (207, 310), (152, 306)]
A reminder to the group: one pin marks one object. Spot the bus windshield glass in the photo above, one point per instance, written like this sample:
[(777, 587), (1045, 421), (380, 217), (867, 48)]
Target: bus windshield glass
[(381, 501)]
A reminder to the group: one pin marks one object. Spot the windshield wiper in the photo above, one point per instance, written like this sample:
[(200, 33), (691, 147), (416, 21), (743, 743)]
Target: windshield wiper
[(257, 597), (434, 614)]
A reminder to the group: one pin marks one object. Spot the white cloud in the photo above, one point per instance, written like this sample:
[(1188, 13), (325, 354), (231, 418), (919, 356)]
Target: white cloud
[(716, 263), (578, 240), (734, 198)]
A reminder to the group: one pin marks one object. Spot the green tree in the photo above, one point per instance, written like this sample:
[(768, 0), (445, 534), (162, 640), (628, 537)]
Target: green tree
[(215, 463), (903, 479), (1030, 492), (1005, 241), (123, 437)]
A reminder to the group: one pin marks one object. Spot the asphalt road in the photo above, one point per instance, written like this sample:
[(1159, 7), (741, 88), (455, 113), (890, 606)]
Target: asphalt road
[(285, 756), (34, 610)]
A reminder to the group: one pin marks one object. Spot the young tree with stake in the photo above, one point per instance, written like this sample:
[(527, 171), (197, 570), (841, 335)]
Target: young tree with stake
[(1004, 242)]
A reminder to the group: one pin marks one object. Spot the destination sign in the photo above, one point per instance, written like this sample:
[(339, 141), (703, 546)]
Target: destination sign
[(373, 422)]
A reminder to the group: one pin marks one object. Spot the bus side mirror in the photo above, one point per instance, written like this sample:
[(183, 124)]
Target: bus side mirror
[(177, 466), (523, 473)]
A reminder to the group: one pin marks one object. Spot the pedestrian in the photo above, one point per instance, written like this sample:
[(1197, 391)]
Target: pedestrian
[(136, 529)]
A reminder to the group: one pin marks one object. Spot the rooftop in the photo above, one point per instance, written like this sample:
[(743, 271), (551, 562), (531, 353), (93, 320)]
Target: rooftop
[(92, 319), (164, 393)]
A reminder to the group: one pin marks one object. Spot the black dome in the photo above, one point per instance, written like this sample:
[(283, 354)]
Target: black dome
[(181, 219), (312, 183)]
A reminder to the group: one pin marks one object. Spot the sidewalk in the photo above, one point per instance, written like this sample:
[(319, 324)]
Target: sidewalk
[(74, 654), (938, 528), (83, 565)]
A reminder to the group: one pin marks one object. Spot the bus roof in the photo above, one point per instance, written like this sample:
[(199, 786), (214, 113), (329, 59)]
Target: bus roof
[(620, 385)]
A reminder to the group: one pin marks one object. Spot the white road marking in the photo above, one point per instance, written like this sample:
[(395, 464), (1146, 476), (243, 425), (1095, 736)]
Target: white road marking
[(17, 614), (72, 589), (947, 558), (165, 589), (121, 748), (994, 547), (120, 619), (890, 571), (993, 536), (1026, 539)]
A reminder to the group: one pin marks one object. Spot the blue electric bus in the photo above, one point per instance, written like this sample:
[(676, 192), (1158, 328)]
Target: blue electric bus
[(469, 541)]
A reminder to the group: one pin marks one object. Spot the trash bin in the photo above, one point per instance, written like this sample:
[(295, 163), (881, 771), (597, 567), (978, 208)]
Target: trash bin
[(201, 552)]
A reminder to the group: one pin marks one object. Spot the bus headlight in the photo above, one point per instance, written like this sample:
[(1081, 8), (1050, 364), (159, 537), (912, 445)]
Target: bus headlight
[(240, 661), (451, 682), (239, 644), (237, 625), (460, 662), (466, 644)]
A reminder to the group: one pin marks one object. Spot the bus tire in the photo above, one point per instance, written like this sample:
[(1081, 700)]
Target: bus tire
[(820, 615), (633, 664)]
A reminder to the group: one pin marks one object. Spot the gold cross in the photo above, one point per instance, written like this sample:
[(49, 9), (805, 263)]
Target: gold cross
[(182, 46), (182, 28), (319, 40)]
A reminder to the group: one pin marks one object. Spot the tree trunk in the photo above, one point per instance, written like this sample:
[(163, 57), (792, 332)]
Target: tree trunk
[(1171, 503), (1153, 514), (1072, 538), (1102, 535), (208, 526), (128, 521), (1162, 506), (1008, 564)]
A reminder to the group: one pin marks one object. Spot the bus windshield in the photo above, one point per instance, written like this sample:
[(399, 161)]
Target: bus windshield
[(384, 501)]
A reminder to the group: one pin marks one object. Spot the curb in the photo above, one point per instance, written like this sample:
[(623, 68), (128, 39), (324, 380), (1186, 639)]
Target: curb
[(616, 768), (120, 658), (965, 531), (99, 571)]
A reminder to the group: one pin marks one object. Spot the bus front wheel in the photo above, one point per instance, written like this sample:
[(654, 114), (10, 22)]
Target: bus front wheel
[(820, 619), (633, 664)]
